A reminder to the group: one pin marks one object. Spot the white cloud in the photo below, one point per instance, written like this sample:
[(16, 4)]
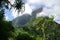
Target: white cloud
[(6, 17), (57, 19), (33, 1), (51, 7), (14, 12), (28, 9), (12, 1)]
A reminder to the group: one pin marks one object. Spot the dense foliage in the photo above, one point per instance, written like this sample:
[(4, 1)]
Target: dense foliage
[(43, 28)]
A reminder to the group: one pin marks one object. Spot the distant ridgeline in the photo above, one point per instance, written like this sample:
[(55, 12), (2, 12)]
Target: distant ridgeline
[(26, 18)]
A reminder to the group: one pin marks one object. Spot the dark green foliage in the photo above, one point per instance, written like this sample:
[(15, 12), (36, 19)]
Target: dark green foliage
[(6, 28), (24, 37), (5, 3), (1, 15), (18, 4)]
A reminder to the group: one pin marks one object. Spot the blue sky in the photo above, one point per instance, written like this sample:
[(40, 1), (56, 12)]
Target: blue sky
[(50, 8), (8, 14)]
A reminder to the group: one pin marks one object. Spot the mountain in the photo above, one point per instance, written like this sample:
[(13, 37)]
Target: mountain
[(21, 20), (26, 18)]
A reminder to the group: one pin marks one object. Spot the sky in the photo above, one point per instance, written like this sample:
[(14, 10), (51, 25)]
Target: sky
[(50, 8)]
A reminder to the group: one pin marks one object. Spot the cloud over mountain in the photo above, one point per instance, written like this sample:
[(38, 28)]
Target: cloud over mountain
[(50, 7)]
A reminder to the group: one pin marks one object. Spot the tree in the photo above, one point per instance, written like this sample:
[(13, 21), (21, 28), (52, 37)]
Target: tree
[(5, 3), (24, 36), (44, 27), (6, 28), (48, 27)]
